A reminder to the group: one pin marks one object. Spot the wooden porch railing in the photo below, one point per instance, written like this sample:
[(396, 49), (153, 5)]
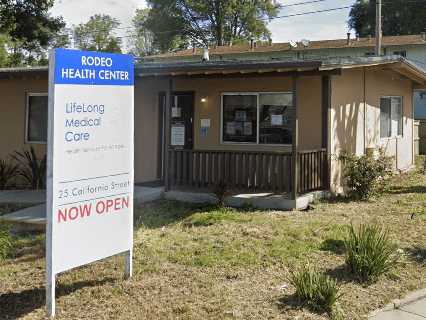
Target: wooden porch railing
[(245, 170), (313, 170)]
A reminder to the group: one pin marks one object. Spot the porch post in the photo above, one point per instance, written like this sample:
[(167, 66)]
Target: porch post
[(295, 141), (166, 146), (326, 106)]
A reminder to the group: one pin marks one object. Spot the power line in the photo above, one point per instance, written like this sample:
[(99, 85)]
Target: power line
[(301, 3)]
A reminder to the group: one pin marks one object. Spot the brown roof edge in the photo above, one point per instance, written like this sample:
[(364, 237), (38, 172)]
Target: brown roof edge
[(218, 66)]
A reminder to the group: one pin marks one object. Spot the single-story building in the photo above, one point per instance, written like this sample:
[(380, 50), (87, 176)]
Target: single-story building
[(275, 126)]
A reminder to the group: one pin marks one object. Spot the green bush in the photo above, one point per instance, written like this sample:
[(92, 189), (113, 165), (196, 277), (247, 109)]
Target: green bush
[(366, 175), (5, 242), (317, 290), (8, 172), (369, 252), (31, 169)]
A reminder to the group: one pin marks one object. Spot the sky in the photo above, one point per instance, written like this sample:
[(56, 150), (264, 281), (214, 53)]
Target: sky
[(326, 25)]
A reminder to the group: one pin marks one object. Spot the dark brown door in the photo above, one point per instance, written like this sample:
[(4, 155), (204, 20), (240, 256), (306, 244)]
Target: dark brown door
[(182, 118)]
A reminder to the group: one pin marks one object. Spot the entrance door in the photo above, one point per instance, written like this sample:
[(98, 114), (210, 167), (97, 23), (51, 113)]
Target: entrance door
[(182, 116)]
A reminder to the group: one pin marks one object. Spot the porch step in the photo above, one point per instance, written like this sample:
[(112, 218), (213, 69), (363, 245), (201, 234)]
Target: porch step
[(256, 200), (147, 194)]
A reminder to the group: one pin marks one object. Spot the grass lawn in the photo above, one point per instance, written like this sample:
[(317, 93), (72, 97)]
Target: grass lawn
[(208, 263)]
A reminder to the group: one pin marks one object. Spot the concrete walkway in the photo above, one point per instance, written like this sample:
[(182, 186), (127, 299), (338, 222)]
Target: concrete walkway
[(36, 215), (23, 196), (411, 308)]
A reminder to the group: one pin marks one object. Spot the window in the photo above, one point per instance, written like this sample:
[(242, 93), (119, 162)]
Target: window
[(370, 54), (391, 117), (401, 53), (240, 118), (419, 104), (276, 118), (36, 131), (264, 118)]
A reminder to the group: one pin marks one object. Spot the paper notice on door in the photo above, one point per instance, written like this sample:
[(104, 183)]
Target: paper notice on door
[(176, 112), (178, 136), (276, 120)]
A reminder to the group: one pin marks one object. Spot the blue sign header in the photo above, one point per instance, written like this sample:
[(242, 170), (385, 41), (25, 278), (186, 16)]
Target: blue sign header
[(93, 68)]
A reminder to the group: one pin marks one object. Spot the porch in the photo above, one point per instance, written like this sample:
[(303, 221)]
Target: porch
[(284, 153), (248, 171)]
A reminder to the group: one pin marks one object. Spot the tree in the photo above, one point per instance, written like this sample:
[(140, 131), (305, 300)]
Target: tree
[(97, 34), (27, 31), (141, 43), (400, 17), (29, 22), (178, 23), (4, 57)]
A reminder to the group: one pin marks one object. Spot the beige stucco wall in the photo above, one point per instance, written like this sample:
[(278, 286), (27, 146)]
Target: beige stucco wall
[(147, 128), (346, 117), (13, 93), (355, 93), (309, 101)]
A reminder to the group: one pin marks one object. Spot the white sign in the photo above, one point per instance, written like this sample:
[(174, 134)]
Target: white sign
[(205, 123), (90, 161), (178, 135), (276, 119)]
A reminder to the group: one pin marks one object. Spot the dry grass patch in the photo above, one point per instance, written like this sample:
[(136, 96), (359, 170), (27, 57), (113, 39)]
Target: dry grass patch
[(197, 262)]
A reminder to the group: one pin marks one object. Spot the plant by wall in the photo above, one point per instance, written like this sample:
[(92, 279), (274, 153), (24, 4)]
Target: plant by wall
[(5, 242), (366, 175), (8, 172), (369, 252), (221, 191), (31, 169), (317, 290)]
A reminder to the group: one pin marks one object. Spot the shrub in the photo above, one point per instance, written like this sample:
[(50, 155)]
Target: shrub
[(5, 242), (369, 252), (317, 290), (31, 169), (8, 172), (221, 191), (366, 175)]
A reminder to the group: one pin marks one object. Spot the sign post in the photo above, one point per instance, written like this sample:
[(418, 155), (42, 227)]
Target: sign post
[(89, 162)]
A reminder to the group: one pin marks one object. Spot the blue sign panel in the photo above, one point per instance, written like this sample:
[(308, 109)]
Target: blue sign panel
[(93, 68)]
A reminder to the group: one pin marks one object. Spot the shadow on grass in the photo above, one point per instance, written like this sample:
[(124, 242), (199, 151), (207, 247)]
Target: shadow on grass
[(342, 274), (163, 213), (14, 305), (333, 245), (417, 254), (292, 302), (407, 189)]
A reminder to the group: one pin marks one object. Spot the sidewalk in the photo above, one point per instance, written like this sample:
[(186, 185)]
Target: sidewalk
[(407, 309)]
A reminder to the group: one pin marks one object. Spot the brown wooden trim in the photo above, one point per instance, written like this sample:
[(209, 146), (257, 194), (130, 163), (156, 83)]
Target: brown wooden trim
[(326, 107), (250, 75), (166, 146), (295, 140), (162, 100)]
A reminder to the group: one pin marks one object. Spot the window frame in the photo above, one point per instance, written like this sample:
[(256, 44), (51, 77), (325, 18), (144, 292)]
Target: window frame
[(27, 115), (250, 93), (392, 136)]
